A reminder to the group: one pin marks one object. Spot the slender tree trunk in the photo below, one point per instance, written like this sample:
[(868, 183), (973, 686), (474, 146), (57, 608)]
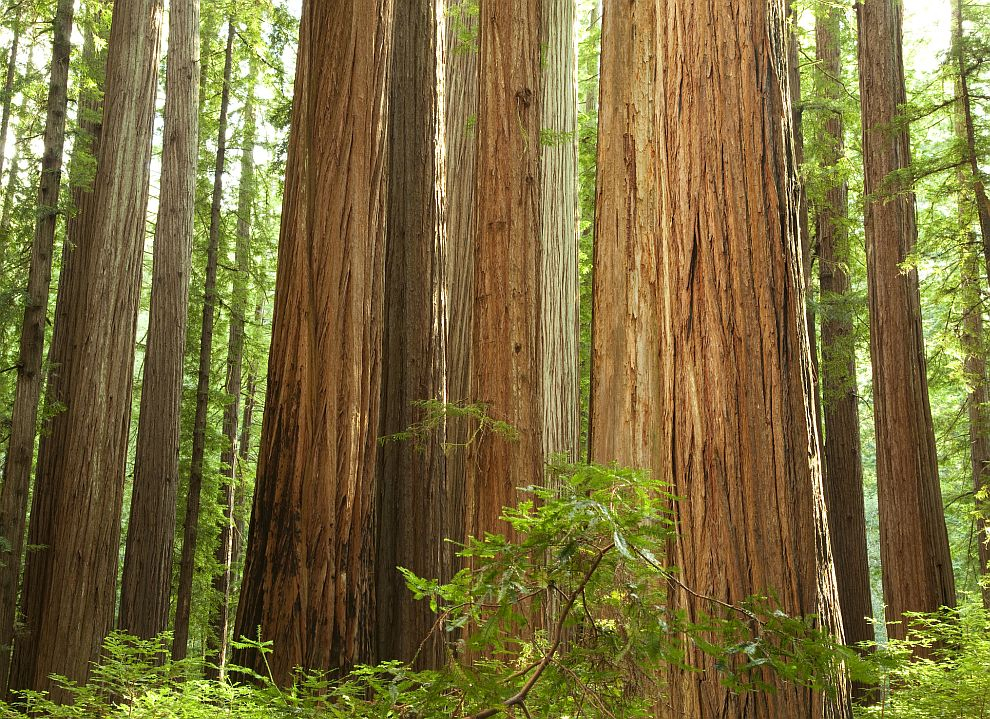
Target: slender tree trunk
[(560, 279), (626, 390), (460, 69), (222, 582), (8, 86), (190, 530), (27, 394), (842, 453), (506, 346), (309, 577), (914, 547), (411, 485), (147, 578), (737, 403), (69, 584)]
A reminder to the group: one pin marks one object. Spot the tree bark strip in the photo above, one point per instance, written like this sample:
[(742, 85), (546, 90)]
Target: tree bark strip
[(914, 547), (27, 394), (69, 586), (190, 529), (309, 576), (147, 579)]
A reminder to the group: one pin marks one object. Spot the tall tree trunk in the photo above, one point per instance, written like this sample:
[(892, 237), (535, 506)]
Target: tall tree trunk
[(309, 577), (147, 577), (69, 584), (232, 386), (914, 546), (8, 86), (460, 68), (560, 280), (626, 389), (506, 349), (410, 477), (190, 529), (27, 394), (737, 412), (842, 454)]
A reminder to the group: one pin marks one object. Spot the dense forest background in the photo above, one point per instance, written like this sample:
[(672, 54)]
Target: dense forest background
[(218, 302)]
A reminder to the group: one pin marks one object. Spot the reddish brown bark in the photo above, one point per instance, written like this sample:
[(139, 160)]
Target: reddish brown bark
[(69, 585), (914, 547), (309, 576)]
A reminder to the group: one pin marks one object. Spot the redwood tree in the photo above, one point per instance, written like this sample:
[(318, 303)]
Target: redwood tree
[(737, 419), (69, 582), (147, 579), (309, 576), (506, 372), (914, 546), (411, 485)]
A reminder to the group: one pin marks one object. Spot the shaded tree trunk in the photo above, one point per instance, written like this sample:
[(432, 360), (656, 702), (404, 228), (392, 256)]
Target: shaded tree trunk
[(69, 585), (737, 405), (190, 529), (460, 68), (27, 393), (147, 578), (914, 547), (625, 413), (506, 349), (309, 575), (8, 85), (842, 453), (229, 470), (559, 223), (411, 485)]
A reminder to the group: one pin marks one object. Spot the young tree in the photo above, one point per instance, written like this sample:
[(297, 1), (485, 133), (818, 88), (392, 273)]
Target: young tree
[(560, 280), (410, 477), (190, 528), (843, 461), (147, 579), (506, 349), (309, 576), (69, 582), (737, 415), (24, 417), (625, 415), (7, 98), (914, 547)]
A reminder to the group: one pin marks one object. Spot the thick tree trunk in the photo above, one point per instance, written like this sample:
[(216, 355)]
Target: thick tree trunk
[(560, 280), (8, 86), (309, 577), (625, 415), (147, 578), (914, 547), (843, 457), (24, 418), (411, 485), (229, 470), (506, 349), (190, 529), (737, 414), (460, 67), (69, 584)]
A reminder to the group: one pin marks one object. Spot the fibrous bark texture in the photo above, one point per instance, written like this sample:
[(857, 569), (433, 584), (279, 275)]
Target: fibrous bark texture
[(506, 353), (411, 486), (914, 547), (738, 429), (190, 528), (69, 584), (559, 224), (147, 578), (626, 391), (24, 416), (309, 577), (842, 455)]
